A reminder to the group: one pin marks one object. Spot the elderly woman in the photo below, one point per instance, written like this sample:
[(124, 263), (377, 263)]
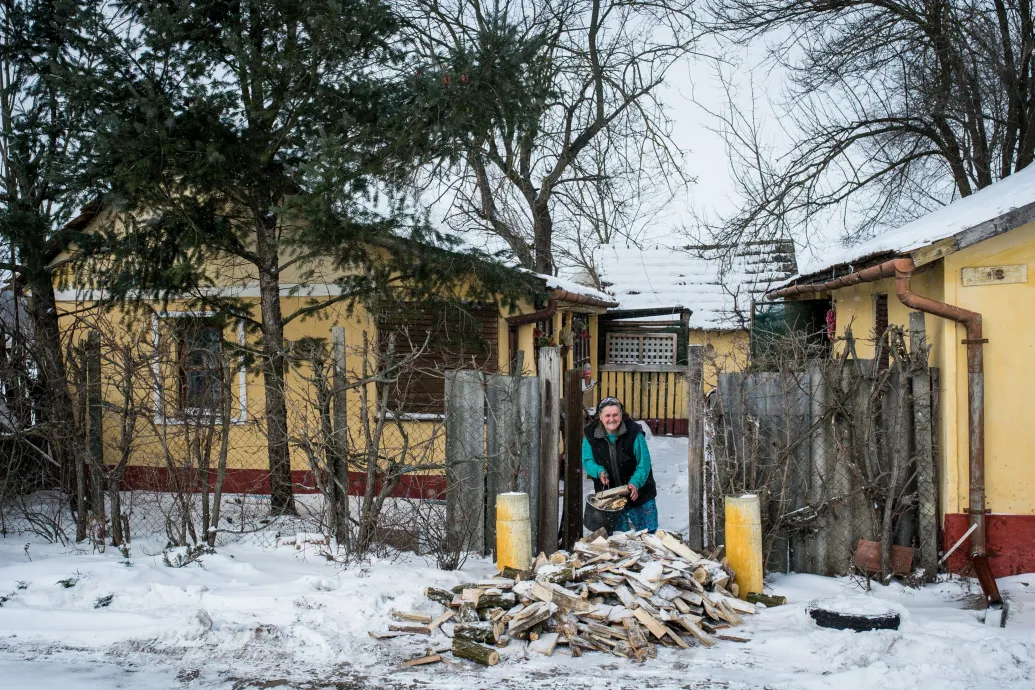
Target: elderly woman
[(614, 452)]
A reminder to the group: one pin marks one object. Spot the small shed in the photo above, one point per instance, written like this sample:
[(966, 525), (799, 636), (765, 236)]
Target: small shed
[(674, 299)]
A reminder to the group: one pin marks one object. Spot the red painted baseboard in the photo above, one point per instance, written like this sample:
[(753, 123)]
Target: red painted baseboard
[(1011, 543), (258, 482)]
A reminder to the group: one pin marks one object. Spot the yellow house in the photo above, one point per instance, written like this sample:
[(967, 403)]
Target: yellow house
[(167, 343), (675, 301), (965, 268)]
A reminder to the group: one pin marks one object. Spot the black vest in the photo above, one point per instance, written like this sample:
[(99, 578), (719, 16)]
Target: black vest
[(623, 467)]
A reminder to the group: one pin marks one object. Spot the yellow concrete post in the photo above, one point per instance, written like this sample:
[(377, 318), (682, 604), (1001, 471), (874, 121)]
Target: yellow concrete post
[(513, 532), (744, 542)]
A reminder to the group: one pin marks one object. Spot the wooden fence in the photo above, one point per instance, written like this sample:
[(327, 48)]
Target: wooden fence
[(822, 448), (655, 394)]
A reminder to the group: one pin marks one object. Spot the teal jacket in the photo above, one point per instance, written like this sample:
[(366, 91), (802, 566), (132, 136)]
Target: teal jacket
[(639, 450)]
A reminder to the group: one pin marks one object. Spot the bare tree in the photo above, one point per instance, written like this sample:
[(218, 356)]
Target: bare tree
[(893, 108), (564, 136)]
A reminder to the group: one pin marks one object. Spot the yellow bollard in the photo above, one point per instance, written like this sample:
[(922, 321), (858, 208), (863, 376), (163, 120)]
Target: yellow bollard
[(744, 542), (513, 532)]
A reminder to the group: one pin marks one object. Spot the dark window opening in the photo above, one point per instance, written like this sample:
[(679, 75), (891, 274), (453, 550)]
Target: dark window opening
[(434, 338), (199, 358), (796, 330), (880, 328)]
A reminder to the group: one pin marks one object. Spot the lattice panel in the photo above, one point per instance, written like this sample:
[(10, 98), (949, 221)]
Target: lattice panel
[(635, 348)]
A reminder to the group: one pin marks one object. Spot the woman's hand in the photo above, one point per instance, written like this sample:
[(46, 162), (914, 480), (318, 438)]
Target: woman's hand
[(633, 493), (603, 478)]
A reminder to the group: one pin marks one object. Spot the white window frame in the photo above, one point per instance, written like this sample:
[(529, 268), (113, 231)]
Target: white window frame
[(156, 370)]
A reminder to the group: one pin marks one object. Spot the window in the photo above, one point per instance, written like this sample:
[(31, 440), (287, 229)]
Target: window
[(456, 337), (645, 348), (199, 361), (189, 379)]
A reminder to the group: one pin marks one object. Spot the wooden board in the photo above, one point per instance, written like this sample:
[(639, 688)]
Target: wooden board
[(544, 645)]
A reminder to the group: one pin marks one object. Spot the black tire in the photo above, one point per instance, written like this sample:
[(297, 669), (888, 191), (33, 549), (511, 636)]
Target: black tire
[(856, 622)]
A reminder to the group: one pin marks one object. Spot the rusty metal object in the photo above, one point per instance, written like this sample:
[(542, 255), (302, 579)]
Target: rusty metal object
[(867, 558), (902, 270)]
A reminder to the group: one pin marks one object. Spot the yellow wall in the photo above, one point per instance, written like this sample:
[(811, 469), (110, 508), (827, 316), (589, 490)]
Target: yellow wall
[(1009, 365), (1009, 372)]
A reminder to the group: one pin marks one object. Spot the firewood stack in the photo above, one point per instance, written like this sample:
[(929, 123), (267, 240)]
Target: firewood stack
[(621, 595)]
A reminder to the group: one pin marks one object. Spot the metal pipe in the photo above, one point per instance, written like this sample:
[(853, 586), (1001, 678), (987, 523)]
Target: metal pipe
[(902, 270)]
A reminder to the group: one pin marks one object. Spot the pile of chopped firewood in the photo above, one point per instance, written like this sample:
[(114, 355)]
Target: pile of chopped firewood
[(621, 595)]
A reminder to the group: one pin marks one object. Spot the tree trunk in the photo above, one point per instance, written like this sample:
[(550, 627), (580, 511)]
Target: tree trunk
[(67, 444), (274, 363), (542, 226)]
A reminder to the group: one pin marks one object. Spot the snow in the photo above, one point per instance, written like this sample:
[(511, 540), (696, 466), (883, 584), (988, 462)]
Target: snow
[(987, 204), (856, 606), (249, 617), (557, 283), (719, 296)]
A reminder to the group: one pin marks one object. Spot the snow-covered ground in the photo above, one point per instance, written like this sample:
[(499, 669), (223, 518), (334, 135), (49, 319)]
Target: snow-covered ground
[(249, 617)]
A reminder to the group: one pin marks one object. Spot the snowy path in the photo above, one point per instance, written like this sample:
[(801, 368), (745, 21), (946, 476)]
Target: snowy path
[(254, 618)]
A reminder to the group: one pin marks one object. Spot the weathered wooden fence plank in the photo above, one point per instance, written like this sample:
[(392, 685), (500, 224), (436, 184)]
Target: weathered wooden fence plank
[(549, 443), (465, 459), (923, 438), (573, 415), (529, 423), (695, 447)]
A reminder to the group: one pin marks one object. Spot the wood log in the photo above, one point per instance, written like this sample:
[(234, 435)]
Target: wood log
[(484, 633), (637, 640), (439, 596), (517, 575), (434, 625), (556, 594), (501, 600), (467, 613), (386, 635), (420, 661), (679, 548), (656, 628), (414, 629), (769, 600), (694, 629), (677, 639), (565, 574), (731, 638), (520, 625), (411, 617), (544, 645), (473, 651)]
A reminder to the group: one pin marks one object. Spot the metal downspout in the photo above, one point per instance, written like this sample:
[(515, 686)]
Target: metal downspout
[(902, 270)]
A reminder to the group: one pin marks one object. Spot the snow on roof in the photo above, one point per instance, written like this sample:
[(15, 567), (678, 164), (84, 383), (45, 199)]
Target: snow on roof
[(987, 204), (718, 293), (555, 283)]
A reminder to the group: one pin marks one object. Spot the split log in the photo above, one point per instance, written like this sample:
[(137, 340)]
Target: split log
[(694, 629), (475, 652), (656, 628), (386, 635), (544, 645), (484, 633), (441, 619), (467, 613), (411, 617), (517, 575), (731, 638), (500, 600), (440, 596), (420, 661), (413, 629), (637, 640)]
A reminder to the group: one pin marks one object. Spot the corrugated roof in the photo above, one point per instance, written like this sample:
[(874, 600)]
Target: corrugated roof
[(718, 292)]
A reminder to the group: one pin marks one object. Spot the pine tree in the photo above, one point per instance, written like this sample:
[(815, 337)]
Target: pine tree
[(270, 134)]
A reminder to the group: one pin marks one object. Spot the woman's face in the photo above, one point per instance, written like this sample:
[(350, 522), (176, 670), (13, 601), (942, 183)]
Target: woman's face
[(611, 418)]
